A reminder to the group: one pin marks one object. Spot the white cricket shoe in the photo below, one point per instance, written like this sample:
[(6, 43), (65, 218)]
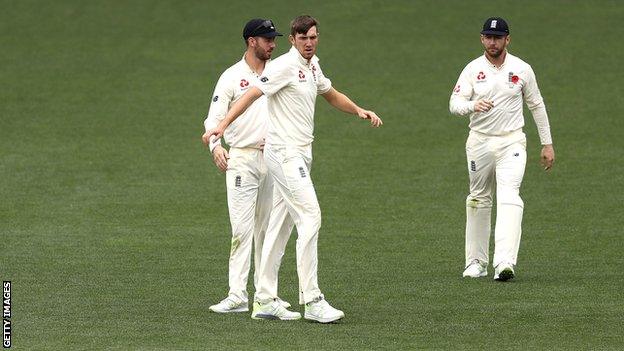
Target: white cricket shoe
[(475, 269), (504, 272), (284, 304), (319, 310), (230, 304), (273, 310)]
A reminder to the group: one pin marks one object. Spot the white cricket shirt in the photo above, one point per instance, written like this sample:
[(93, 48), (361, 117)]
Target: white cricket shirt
[(250, 128), (291, 85), (507, 86)]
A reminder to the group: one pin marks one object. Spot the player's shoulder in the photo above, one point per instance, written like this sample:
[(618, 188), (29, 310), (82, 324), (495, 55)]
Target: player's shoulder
[(479, 62), (283, 60), (233, 70), (517, 62), (476, 65)]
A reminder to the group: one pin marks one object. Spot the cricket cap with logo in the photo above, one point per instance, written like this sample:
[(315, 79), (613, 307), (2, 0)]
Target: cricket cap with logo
[(495, 26), (259, 27)]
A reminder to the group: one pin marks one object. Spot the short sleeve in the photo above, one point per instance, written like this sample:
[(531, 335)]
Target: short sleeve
[(323, 84), (274, 78)]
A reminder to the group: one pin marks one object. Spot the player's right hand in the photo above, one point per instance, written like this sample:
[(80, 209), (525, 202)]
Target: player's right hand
[(216, 132), (483, 105), (220, 157)]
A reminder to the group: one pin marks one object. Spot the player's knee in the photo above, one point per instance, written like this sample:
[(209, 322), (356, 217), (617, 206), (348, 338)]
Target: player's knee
[(509, 196), (479, 201)]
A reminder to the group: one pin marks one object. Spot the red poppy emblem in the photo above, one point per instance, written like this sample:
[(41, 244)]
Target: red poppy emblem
[(515, 79), (301, 75), (481, 76), (456, 90), (244, 83)]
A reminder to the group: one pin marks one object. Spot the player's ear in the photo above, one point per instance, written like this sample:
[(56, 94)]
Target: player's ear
[(291, 39)]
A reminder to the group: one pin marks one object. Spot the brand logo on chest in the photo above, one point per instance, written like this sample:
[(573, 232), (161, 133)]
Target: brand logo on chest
[(244, 84), (480, 77), (302, 77)]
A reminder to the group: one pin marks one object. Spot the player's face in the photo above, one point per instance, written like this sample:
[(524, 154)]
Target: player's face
[(494, 45), (263, 47), (305, 43)]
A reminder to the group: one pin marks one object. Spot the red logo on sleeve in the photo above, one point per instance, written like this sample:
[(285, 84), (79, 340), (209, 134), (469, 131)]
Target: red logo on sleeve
[(244, 83), (481, 76), (457, 88)]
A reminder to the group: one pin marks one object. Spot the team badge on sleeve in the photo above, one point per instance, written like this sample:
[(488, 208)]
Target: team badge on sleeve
[(215, 98)]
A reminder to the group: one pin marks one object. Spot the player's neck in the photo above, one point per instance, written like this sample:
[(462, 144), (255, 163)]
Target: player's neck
[(256, 64), (497, 61)]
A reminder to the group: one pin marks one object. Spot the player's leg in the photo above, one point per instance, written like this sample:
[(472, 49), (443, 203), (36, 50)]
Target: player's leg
[(511, 162), (242, 189), (266, 305), (264, 205), (294, 181), (481, 162), (278, 229)]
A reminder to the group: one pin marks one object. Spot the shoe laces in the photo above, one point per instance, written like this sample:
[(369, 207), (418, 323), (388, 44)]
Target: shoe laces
[(230, 301), (474, 262)]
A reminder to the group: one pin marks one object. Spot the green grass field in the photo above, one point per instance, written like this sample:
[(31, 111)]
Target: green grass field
[(113, 219)]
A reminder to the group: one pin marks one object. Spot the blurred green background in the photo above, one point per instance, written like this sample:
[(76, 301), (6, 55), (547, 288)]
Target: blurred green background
[(113, 219)]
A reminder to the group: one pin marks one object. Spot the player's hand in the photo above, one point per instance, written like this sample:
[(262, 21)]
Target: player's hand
[(548, 157), (220, 157), (375, 120), (483, 105), (216, 132)]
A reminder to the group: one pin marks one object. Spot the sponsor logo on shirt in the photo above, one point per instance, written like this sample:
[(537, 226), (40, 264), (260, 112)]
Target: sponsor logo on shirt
[(244, 83), (473, 166), (215, 98), (302, 77), (457, 89), (264, 79), (481, 76)]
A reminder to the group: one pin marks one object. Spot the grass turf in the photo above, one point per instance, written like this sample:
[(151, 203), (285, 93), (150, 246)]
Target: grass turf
[(113, 221)]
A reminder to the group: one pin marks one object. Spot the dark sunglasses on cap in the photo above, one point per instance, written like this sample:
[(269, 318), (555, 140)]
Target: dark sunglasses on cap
[(268, 24)]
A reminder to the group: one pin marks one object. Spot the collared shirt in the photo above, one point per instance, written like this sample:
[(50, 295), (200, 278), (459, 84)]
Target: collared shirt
[(248, 130), (291, 84), (507, 86)]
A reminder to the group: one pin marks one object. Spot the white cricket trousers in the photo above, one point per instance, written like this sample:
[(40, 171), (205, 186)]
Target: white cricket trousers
[(295, 200), (501, 159), (249, 193)]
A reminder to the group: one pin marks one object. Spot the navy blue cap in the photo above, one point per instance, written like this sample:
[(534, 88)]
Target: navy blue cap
[(259, 27), (495, 26)]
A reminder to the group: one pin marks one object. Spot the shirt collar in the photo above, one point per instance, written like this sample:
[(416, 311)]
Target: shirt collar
[(248, 68), (294, 52), (491, 65)]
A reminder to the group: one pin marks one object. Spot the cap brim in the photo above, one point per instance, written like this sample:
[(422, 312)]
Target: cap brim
[(270, 35), (494, 32)]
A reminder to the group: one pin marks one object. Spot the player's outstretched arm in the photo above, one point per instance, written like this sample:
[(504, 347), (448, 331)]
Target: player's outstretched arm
[(344, 104), (236, 110)]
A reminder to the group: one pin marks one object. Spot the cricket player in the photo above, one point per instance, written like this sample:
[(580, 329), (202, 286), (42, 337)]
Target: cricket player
[(249, 188), (291, 84), (491, 90)]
